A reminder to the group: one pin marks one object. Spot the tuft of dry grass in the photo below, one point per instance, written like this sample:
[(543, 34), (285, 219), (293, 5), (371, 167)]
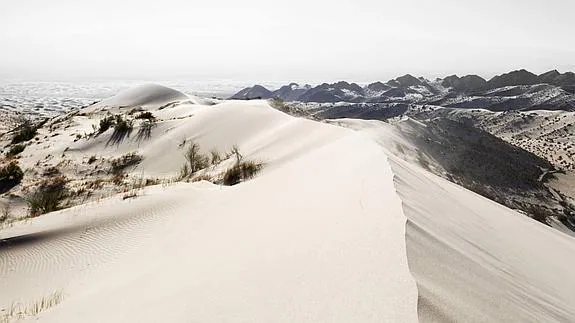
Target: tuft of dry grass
[(196, 160), (121, 163), (48, 196), (241, 171), (19, 311)]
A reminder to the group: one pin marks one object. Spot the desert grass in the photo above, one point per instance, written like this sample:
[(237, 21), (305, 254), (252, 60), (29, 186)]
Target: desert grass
[(15, 150), (5, 212), (10, 176), (122, 130), (25, 130), (215, 157), (19, 310), (241, 171), (196, 160), (118, 165), (145, 130), (48, 196)]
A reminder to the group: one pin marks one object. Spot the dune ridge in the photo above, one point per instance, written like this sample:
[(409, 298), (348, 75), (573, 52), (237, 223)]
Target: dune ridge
[(271, 249), (341, 225)]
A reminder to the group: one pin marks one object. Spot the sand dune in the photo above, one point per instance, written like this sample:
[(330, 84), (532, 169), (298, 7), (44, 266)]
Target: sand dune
[(271, 249), (319, 235), (473, 259), (149, 96)]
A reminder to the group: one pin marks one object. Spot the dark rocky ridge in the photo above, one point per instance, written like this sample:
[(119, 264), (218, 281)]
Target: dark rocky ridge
[(517, 90)]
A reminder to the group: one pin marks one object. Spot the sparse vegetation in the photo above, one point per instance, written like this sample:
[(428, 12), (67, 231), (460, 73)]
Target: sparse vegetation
[(5, 212), (51, 171), (122, 129), (215, 157), (235, 152), (24, 131), (146, 115), (241, 171), (15, 150), (119, 164), (19, 311), (91, 160), (279, 104), (48, 196), (10, 176), (196, 160), (145, 130), (106, 123)]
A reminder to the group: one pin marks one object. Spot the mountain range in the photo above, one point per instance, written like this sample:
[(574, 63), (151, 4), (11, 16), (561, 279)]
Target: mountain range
[(516, 90)]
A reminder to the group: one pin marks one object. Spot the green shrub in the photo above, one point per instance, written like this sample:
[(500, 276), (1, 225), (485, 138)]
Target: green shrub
[(15, 150), (10, 176), (48, 196), (241, 171)]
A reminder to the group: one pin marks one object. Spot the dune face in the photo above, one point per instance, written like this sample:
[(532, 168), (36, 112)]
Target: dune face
[(149, 96), (477, 261), (343, 224), (305, 241)]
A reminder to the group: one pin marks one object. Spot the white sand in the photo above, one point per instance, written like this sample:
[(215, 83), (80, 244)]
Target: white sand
[(319, 236), (474, 260)]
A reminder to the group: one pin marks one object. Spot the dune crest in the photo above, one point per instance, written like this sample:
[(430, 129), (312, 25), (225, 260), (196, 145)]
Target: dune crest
[(317, 236)]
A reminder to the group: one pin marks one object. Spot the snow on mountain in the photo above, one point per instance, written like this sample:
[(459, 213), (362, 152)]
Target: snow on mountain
[(517, 90)]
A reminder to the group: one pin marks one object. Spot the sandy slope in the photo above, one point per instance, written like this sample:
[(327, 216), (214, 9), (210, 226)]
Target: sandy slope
[(318, 236), (473, 259), (476, 261)]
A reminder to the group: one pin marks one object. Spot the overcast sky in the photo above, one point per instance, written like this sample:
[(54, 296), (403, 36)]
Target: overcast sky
[(309, 40)]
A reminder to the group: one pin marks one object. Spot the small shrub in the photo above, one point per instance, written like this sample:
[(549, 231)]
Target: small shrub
[(121, 163), (196, 160), (106, 123), (279, 104), (24, 131), (184, 172), (15, 150), (51, 171), (215, 157), (134, 110), (146, 115), (48, 196), (241, 171), (145, 130), (235, 152), (203, 177), (5, 212), (10, 176), (95, 184), (122, 129), (118, 179)]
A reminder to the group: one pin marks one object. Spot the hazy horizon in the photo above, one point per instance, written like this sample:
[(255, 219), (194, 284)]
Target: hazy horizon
[(254, 41)]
